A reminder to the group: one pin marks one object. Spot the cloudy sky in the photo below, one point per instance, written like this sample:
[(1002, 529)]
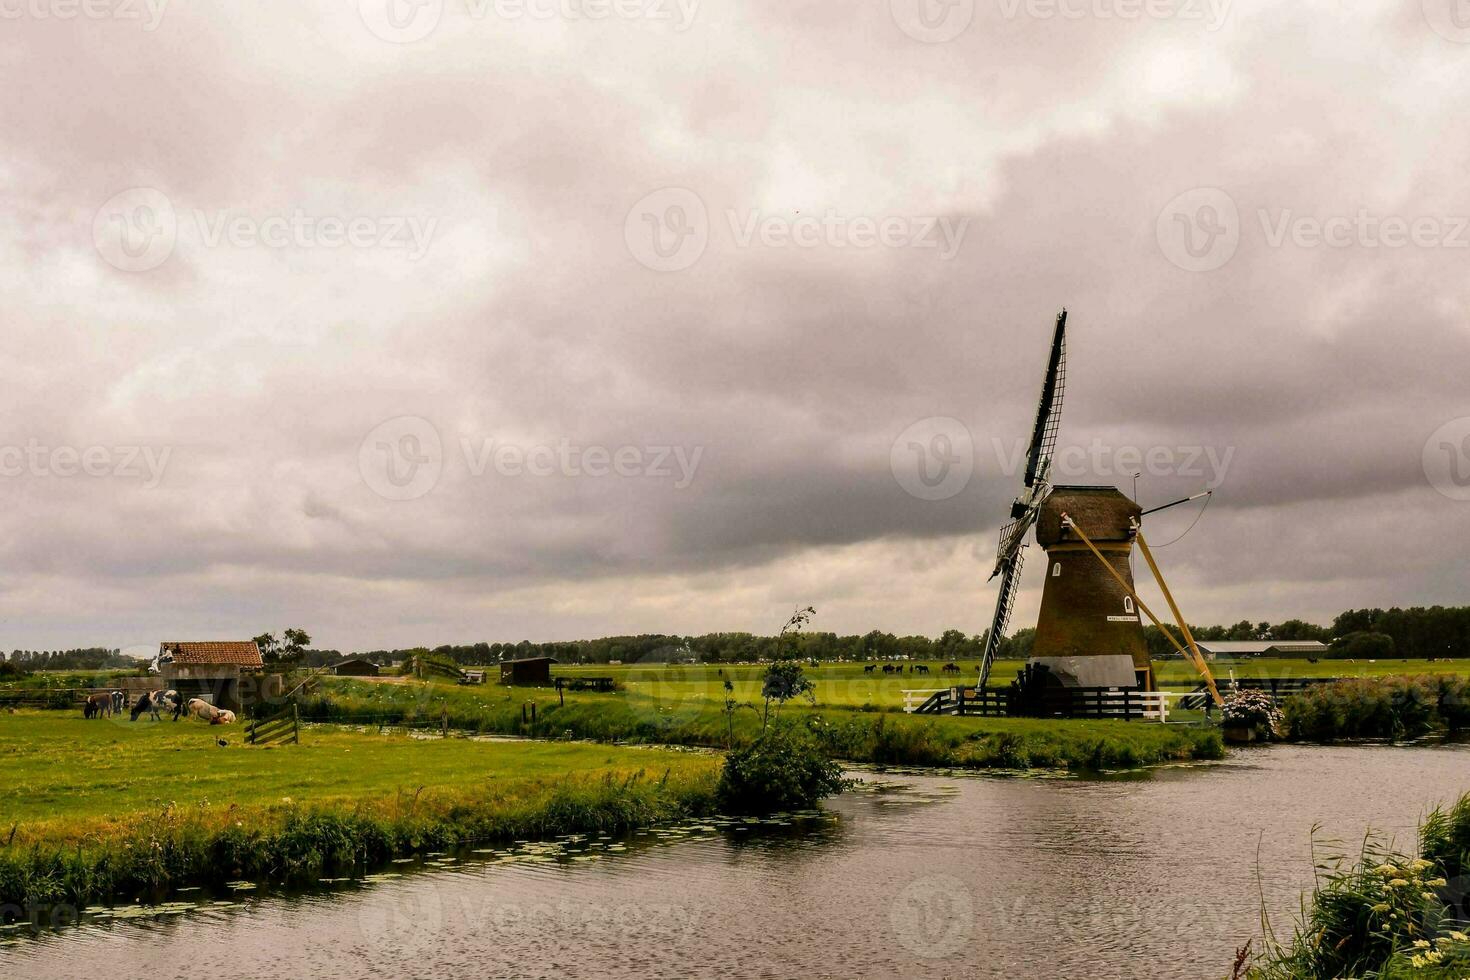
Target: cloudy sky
[(501, 319)]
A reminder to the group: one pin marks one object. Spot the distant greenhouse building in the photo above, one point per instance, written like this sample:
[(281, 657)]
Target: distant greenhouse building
[(1236, 649)]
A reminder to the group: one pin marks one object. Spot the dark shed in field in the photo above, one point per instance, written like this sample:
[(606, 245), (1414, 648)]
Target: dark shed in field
[(356, 668), (532, 670)]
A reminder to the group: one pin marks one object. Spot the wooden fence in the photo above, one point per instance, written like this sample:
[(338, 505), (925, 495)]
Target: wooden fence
[(1054, 702), (281, 728)]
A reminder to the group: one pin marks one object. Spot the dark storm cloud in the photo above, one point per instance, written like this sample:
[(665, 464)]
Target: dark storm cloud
[(760, 390)]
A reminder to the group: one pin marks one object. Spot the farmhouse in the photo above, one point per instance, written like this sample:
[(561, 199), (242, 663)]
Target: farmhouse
[(531, 670), (1262, 648), (356, 667), (212, 670)]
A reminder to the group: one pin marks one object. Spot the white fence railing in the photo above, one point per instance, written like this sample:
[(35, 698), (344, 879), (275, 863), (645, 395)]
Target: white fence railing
[(1154, 705), (912, 699)]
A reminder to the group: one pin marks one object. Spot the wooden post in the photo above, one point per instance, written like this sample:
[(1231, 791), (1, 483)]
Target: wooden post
[(295, 724), (444, 724), (533, 712), (561, 694)]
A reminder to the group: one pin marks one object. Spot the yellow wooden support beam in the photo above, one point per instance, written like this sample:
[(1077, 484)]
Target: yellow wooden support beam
[(1199, 660), (1143, 607)]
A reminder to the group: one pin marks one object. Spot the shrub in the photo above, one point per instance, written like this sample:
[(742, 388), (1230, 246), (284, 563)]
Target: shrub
[(1385, 915), (1252, 709), (1379, 707), (781, 770)]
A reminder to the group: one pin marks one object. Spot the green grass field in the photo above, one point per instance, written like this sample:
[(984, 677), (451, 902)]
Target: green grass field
[(848, 686), (63, 777)]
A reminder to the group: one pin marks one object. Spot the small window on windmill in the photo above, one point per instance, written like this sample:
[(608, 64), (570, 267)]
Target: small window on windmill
[(1056, 570), (1128, 604)]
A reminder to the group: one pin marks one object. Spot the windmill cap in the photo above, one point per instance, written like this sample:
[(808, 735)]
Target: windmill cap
[(1103, 513)]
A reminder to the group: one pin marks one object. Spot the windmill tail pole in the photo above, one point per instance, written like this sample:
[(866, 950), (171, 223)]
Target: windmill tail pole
[(1069, 523), (1199, 660)]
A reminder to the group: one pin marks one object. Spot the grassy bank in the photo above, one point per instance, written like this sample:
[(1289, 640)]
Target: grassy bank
[(672, 716), (114, 810), (1384, 913)]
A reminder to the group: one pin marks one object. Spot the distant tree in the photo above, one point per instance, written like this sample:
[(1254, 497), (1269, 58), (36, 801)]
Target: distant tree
[(1362, 646), (288, 651)]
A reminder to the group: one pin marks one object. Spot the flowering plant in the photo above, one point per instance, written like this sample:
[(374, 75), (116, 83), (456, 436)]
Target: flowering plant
[(1252, 709)]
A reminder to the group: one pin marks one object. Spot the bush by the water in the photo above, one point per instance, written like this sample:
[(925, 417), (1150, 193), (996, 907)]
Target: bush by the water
[(1252, 709), (1385, 914), (1378, 707), (783, 769)]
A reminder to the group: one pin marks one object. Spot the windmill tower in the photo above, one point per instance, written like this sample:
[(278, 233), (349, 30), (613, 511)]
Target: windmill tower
[(1089, 632)]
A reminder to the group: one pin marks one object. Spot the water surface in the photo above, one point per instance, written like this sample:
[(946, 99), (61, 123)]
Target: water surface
[(944, 876)]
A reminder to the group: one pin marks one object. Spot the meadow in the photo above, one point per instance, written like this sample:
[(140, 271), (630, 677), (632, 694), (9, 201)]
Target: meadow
[(93, 810), (847, 685)]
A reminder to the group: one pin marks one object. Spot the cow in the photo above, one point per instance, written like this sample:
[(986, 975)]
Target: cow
[(119, 702), (155, 701), (97, 706), (205, 711)]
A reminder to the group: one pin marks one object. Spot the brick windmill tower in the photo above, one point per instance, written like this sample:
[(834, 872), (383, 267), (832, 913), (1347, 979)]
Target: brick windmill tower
[(1089, 632)]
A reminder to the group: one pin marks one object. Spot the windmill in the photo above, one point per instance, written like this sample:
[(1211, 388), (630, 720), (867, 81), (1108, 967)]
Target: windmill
[(1024, 511), (1089, 632)]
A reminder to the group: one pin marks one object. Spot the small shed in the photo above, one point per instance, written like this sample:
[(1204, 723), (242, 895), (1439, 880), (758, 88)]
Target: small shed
[(212, 670), (530, 671), (357, 667)]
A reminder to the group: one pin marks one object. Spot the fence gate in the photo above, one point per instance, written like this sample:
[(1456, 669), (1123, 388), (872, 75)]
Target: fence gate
[(281, 728)]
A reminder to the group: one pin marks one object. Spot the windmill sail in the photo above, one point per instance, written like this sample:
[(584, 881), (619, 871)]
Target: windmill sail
[(1036, 485)]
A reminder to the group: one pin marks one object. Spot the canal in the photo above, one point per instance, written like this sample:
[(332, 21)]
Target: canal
[(1162, 874)]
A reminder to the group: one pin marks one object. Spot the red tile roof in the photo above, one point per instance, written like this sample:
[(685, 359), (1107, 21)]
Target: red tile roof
[(234, 653)]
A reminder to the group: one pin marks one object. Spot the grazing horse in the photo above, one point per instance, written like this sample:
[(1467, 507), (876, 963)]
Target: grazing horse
[(97, 706), (921, 668), (951, 668), (868, 668), (889, 668)]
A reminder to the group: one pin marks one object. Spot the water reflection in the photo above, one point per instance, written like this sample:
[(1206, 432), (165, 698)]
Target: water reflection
[(915, 876)]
